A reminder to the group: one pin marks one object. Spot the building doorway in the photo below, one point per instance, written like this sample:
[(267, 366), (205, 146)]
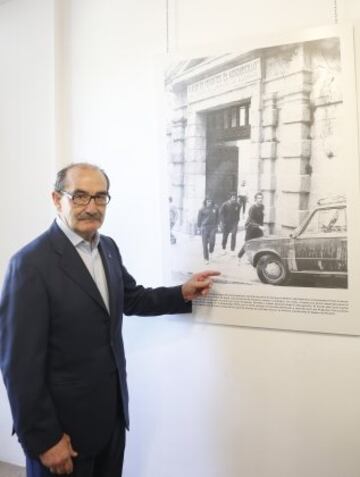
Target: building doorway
[(221, 173), (224, 127)]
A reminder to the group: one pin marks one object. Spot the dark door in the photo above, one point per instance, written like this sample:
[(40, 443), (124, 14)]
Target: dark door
[(221, 172)]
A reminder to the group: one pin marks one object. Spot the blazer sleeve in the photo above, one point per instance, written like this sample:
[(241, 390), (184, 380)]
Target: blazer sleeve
[(142, 301), (24, 327)]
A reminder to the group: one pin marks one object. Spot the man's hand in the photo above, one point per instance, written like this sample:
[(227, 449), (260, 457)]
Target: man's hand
[(198, 285), (58, 459)]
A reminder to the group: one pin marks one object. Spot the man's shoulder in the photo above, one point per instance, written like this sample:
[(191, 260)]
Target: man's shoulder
[(108, 242), (107, 239), (109, 246)]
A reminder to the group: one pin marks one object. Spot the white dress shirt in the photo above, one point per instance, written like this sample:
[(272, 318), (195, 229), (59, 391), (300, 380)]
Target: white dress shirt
[(89, 252)]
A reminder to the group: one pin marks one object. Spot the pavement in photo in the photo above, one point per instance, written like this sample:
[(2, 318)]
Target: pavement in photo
[(187, 258)]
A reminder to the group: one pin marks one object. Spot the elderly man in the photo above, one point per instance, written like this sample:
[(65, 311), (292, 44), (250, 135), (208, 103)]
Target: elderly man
[(62, 353)]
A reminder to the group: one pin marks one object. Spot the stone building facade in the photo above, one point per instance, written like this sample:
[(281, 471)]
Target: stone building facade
[(271, 116)]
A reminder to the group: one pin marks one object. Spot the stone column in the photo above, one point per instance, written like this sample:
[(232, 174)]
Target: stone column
[(268, 154), (194, 169), (253, 180), (295, 145), (176, 140)]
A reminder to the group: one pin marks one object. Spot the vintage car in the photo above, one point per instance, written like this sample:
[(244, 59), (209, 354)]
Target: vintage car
[(317, 247)]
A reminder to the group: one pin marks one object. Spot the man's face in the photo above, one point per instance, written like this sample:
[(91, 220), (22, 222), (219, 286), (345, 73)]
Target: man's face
[(259, 199), (84, 220)]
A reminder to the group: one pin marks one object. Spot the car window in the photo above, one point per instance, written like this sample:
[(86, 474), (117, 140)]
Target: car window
[(327, 221)]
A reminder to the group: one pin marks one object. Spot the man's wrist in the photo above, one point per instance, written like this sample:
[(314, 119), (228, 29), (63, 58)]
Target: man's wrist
[(185, 296)]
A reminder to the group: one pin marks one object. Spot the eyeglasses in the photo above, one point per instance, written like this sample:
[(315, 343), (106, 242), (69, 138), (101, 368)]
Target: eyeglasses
[(83, 198)]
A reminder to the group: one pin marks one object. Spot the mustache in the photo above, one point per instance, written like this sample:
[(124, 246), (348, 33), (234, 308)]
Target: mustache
[(90, 215)]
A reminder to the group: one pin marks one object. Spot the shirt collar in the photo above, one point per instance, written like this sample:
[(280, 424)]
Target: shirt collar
[(74, 238)]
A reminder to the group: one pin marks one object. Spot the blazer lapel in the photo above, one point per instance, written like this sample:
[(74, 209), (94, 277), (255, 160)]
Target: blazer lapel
[(112, 281), (73, 266)]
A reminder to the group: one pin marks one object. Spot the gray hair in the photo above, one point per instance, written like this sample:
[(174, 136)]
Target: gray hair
[(60, 180)]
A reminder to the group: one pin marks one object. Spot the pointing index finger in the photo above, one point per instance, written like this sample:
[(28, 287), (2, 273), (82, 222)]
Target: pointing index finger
[(206, 274)]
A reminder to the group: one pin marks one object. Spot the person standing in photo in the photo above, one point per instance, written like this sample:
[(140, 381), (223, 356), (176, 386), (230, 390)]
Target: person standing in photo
[(208, 218), (243, 197), (62, 354), (254, 222), (229, 217)]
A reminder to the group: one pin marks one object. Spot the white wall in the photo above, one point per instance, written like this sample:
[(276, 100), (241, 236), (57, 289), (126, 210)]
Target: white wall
[(205, 22), (26, 142), (26, 120), (205, 400)]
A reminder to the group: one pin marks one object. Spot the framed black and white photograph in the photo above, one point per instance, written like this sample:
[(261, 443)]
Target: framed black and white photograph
[(263, 180)]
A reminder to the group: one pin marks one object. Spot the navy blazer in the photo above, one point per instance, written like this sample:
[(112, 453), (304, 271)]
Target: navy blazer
[(61, 351)]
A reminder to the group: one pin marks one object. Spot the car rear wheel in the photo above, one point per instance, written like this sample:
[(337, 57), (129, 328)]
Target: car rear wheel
[(272, 270)]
